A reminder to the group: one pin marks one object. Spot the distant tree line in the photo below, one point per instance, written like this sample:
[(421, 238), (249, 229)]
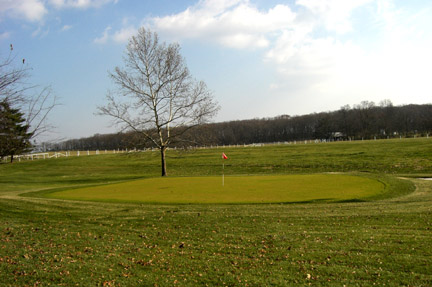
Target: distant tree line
[(363, 121)]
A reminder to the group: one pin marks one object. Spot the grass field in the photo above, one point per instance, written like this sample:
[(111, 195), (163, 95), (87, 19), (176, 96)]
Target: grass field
[(385, 241)]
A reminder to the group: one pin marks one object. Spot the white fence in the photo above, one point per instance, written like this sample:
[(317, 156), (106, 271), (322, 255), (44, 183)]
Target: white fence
[(48, 155)]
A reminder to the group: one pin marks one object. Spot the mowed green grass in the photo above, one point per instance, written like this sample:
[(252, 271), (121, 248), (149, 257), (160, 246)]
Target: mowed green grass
[(233, 189)]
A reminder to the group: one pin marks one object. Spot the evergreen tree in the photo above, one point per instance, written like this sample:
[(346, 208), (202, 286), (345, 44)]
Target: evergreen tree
[(14, 135)]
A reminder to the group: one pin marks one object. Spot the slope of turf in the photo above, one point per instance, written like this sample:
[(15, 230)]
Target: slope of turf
[(50, 242)]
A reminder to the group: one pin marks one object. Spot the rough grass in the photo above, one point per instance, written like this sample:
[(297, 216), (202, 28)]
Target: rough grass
[(68, 243)]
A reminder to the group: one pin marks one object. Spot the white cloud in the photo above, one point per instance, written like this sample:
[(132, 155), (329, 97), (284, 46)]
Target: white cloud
[(232, 23), (393, 62), (402, 60), (40, 32), (66, 28), (104, 38), (288, 37), (334, 14), (57, 3), (30, 10), (82, 4), (343, 51), (121, 36), (4, 35), (36, 10)]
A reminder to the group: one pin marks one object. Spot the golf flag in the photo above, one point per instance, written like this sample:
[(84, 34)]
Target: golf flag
[(223, 167)]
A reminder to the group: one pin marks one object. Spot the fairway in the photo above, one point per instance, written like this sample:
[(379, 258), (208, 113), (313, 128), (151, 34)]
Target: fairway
[(236, 189)]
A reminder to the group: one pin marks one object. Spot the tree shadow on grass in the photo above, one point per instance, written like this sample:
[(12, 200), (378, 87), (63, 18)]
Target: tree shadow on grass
[(325, 200), (354, 200)]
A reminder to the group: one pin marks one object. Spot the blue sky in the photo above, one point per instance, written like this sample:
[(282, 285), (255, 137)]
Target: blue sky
[(261, 58)]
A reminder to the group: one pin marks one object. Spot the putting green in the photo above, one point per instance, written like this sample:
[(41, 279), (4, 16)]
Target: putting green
[(236, 189)]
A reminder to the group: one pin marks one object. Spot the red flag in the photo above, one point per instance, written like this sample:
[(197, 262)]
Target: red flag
[(224, 156)]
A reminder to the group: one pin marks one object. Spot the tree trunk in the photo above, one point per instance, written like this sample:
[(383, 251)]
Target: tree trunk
[(11, 158), (163, 149)]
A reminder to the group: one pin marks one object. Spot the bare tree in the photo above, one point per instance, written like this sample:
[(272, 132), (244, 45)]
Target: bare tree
[(12, 80), (34, 102), (157, 96)]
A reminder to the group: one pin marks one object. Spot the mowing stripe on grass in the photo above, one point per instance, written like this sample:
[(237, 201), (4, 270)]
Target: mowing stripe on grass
[(237, 189)]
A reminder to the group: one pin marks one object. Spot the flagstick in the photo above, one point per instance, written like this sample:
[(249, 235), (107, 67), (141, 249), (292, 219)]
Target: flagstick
[(223, 174)]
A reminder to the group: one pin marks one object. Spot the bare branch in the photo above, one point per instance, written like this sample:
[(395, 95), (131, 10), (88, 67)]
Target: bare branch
[(13, 80), (39, 107), (34, 103)]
